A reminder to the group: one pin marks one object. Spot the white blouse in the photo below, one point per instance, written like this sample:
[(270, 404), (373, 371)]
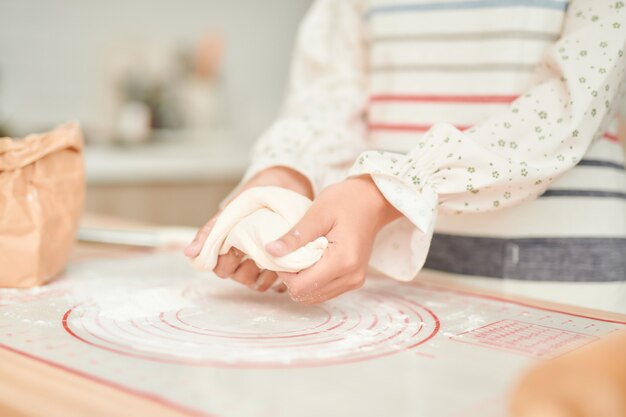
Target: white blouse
[(502, 160)]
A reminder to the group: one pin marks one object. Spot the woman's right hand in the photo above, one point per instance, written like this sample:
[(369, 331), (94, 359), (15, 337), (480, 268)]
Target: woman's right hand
[(229, 265)]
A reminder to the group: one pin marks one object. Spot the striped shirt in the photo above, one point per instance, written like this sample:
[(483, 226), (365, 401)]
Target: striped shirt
[(488, 123)]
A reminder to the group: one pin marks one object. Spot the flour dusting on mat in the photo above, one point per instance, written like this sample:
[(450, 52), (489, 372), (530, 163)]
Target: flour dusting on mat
[(127, 304), (204, 321)]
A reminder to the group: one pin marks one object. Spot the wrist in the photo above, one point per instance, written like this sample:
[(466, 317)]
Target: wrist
[(385, 211)]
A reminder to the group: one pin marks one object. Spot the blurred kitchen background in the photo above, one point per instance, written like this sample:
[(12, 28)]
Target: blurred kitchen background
[(170, 94)]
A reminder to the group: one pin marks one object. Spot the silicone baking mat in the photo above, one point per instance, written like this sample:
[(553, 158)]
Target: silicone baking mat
[(152, 326)]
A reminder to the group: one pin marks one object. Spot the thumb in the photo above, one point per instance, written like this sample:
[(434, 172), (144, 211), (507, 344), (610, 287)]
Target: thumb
[(193, 249), (309, 228)]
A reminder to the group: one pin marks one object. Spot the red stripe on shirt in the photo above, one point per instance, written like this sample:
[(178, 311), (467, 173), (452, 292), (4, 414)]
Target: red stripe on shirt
[(405, 127), (428, 98), (378, 127)]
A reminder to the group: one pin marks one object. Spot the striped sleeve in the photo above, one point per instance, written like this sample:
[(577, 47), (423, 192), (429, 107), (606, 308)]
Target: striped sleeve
[(321, 129), (513, 156)]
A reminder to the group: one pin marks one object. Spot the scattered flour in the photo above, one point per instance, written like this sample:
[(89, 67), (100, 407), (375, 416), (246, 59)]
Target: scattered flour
[(145, 302)]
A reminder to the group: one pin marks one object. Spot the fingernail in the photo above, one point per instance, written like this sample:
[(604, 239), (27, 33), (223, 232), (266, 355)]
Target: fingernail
[(277, 247), (259, 282)]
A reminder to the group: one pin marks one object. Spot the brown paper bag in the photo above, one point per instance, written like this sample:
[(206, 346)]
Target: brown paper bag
[(42, 190)]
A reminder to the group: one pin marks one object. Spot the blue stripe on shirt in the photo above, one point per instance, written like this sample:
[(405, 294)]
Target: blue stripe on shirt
[(465, 5), (583, 193)]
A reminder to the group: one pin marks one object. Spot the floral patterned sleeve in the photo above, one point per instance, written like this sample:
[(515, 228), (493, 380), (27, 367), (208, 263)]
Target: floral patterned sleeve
[(322, 127), (513, 156)]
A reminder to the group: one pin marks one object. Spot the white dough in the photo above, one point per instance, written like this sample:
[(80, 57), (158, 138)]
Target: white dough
[(256, 217)]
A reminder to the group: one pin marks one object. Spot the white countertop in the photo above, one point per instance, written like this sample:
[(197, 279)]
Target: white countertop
[(170, 158)]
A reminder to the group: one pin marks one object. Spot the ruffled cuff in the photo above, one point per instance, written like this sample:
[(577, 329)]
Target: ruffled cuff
[(408, 183), (401, 247)]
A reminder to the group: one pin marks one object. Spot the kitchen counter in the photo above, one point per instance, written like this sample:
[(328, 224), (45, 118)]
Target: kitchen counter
[(177, 179), (171, 157)]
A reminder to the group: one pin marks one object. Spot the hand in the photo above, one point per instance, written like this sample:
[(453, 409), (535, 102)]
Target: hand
[(229, 264), (349, 214), (589, 382)]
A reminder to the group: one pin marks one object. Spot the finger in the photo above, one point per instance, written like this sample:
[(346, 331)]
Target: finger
[(228, 263), (308, 296), (333, 264), (306, 282), (313, 225), (334, 289), (265, 280), (281, 288), (246, 273), (193, 249), (318, 299)]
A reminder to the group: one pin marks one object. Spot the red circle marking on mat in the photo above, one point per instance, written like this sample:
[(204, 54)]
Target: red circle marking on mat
[(351, 332)]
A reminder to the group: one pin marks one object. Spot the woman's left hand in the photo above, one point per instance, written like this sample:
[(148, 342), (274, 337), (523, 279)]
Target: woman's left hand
[(587, 382), (349, 214)]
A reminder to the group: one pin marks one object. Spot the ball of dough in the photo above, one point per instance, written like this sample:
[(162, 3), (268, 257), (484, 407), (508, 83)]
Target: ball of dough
[(256, 217)]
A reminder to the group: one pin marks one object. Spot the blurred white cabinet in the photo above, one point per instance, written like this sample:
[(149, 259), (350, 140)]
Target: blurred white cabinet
[(173, 181)]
